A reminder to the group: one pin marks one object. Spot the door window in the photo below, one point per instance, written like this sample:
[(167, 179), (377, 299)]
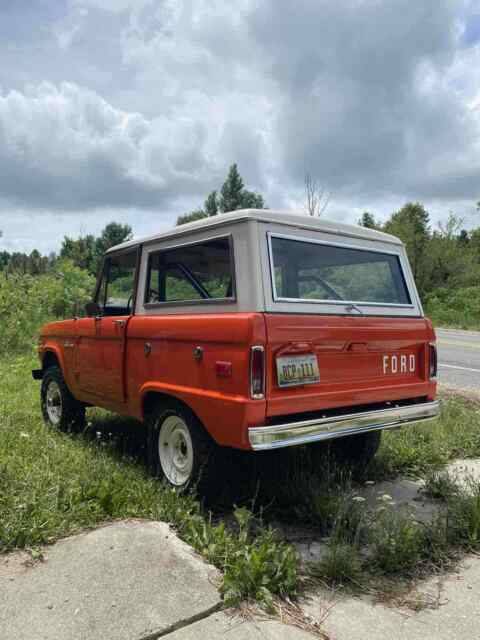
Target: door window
[(197, 272), (116, 292)]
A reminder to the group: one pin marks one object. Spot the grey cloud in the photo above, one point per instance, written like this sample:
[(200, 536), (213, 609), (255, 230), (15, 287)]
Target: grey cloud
[(372, 97), (352, 104), (68, 148)]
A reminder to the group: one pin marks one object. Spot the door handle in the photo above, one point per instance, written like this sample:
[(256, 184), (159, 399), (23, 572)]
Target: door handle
[(119, 323)]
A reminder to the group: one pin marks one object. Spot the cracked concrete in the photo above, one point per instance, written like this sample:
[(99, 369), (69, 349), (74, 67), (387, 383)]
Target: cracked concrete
[(448, 604), (452, 611), (128, 581), (220, 626)]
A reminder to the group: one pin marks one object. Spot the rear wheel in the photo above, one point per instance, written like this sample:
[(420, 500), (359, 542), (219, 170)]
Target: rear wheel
[(354, 452), (180, 450), (59, 408)]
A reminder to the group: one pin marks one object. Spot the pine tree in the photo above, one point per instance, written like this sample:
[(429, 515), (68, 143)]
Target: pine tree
[(251, 200), (232, 191), (367, 220), (211, 204), (233, 196)]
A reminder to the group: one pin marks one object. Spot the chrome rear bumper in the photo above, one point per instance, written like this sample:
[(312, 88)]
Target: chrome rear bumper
[(294, 433)]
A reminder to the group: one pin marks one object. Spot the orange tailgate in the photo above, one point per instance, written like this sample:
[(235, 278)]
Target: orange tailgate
[(361, 360)]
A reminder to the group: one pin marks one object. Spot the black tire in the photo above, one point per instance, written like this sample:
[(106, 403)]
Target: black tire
[(69, 413), (194, 466), (353, 452)]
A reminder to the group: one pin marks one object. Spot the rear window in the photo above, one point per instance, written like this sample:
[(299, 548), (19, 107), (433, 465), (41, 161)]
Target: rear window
[(191, 273), (315, 271)]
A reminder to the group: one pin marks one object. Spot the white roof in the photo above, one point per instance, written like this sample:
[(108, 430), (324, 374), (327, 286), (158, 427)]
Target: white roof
[(287, 218)]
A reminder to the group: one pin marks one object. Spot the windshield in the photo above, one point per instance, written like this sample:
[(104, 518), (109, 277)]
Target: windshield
[(314, 271)]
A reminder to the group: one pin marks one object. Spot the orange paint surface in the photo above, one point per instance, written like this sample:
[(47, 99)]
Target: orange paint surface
[(362, 360)]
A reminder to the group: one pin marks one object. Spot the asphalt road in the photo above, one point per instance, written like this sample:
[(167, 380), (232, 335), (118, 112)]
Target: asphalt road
[(459, 358)]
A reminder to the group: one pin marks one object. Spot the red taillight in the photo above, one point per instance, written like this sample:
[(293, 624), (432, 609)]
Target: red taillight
[(257, 372), (433, 361)]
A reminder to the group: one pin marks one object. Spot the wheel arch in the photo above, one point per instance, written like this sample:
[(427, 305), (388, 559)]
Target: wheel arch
[(152, 398), (51, 358)]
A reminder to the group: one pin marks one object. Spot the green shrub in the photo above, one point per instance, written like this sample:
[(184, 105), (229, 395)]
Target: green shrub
[(463, 516), (440, 485), (341, 564), (259, 567), (455, 307), (397, 541), (26, 302)]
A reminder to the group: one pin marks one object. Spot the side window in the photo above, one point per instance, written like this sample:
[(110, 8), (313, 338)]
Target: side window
[(178, 287), (195, 272), (116, 290)]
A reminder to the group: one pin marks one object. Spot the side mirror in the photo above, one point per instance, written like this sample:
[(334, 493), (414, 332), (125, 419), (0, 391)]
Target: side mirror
[(93, 309)]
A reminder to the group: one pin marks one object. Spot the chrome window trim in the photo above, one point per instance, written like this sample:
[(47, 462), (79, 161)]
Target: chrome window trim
[(298, 238)]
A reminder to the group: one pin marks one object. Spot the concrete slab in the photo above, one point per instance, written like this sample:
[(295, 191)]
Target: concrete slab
[(456, 612), (221, 626), (404, 493), (465, 469), (124, 581)]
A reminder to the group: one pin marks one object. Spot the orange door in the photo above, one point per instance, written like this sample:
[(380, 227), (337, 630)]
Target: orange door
[(108, 374), (86, 355), (102, 349)]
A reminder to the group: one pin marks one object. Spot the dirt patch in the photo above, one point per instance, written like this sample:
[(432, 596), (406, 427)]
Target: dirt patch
[(18, 563)]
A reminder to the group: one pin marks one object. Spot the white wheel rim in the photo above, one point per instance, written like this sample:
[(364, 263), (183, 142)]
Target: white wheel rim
[(175, 450), (54, 402)]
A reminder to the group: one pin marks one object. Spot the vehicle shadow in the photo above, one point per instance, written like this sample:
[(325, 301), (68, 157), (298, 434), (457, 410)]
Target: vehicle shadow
[(125, 437), (268, 482)]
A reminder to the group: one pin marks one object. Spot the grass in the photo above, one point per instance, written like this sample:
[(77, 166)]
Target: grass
[(395, 548), (56, 484), (420, 450)]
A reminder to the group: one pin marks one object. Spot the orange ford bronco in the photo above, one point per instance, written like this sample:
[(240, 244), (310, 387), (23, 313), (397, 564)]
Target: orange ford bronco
[(252, 330)]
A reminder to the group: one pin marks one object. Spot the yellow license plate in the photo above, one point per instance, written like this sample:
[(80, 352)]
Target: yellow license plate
[(295, 370)]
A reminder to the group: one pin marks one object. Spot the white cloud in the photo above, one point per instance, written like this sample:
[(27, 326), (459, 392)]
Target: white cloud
[(66, 147), (141, 105)]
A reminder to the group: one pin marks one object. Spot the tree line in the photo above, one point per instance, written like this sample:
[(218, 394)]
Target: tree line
[(85, 252), (445, 260), (448, 256)]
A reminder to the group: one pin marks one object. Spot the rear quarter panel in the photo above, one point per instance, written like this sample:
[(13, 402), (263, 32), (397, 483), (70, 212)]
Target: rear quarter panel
[(221, 403)]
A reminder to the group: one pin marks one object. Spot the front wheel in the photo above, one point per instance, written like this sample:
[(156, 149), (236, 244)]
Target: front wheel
[(59, 408), (180, 450)]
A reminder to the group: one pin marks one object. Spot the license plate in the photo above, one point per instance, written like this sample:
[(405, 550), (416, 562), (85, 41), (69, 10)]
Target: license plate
[(295, 370)]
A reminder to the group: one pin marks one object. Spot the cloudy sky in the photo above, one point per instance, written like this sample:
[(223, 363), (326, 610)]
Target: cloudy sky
[(133, 109)]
